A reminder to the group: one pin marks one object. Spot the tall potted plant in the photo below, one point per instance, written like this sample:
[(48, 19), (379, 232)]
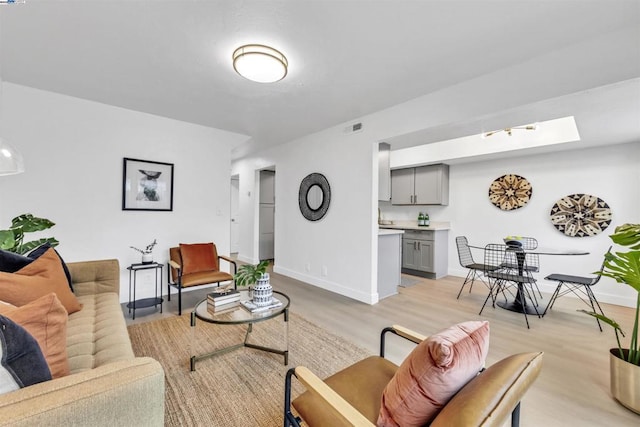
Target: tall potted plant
[(624, 267)]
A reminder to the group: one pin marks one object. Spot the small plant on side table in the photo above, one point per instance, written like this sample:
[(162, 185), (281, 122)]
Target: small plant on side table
[(147, 253)]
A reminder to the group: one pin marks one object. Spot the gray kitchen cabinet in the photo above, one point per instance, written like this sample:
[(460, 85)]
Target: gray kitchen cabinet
[(424, 253), (417, 255), (424, 185), (402, 186)]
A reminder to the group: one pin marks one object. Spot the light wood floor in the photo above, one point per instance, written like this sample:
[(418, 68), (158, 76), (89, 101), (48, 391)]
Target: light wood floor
[(573, 388)]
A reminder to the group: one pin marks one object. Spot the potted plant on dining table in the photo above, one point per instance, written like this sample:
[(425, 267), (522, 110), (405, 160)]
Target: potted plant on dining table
[(624, 267)]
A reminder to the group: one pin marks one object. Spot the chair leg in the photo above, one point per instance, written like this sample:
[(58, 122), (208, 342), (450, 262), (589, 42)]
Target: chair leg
[(515, 416), (466, 280), (554, 296), (179, 300), (496, 288), (592, 299)]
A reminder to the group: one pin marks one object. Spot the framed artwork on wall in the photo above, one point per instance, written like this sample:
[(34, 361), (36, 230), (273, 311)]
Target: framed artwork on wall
[(147, 185)]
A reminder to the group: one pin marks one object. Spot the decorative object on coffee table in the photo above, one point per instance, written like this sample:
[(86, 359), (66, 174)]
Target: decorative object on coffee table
[(510, 192), (263, 291), (248, 274), (581, 215)]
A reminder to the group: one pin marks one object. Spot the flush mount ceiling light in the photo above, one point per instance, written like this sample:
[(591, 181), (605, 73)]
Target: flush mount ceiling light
[(11, 161), (260, 63), (509, 131)]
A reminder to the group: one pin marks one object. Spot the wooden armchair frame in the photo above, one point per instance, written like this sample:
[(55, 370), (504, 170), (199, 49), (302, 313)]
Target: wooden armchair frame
[(205, 278), (487, 400)]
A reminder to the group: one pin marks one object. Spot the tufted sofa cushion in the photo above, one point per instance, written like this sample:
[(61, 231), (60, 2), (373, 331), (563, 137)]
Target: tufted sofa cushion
[(97, 334)]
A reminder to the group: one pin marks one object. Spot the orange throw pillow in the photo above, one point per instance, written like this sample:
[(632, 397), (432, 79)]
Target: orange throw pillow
[(42, 276), (433, 373), (198, 257), (46, 320)]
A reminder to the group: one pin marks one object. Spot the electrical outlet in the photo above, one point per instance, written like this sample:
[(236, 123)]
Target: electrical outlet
[(324, 271), (307, 267)]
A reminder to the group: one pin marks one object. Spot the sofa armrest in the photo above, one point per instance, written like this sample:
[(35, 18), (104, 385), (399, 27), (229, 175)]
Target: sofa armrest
[(95, 277), (129, 392)]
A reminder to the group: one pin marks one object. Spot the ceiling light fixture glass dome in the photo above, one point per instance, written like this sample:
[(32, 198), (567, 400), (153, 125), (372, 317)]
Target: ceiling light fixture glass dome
[(11, 161), (260, 63)]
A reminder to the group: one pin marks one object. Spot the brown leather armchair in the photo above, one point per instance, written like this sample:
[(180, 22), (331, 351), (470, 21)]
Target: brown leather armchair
[(352, 397), (194, 265)]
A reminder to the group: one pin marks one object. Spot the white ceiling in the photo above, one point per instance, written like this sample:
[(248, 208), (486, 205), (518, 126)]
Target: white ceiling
[(347, 58)]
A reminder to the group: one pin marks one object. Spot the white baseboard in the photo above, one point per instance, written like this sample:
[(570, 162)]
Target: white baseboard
[(328, 285)]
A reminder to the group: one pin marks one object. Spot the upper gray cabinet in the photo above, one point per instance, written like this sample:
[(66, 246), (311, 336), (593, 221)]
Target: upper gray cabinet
[(424, 185)]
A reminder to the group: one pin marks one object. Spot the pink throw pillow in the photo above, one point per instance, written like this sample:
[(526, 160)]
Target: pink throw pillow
[(433, 373)]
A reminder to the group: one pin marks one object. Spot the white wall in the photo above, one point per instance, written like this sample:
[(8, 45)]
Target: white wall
[(74, 150), (610, 172), (342, 242)]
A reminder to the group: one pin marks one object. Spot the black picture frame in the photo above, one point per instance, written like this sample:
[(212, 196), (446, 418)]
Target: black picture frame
[(147, 185)]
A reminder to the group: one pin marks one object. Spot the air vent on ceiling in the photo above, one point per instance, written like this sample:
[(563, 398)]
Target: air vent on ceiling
[(356, 127)]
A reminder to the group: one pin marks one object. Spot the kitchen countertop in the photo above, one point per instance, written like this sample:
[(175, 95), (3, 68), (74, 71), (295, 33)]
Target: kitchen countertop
[(387, 232), (413, 225)]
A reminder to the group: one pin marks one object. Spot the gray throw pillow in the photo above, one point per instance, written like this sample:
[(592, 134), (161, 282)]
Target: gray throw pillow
[(21, 363)]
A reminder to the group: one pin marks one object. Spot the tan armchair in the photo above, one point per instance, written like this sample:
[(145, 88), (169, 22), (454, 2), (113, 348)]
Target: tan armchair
[(353, 396), (194, 265)]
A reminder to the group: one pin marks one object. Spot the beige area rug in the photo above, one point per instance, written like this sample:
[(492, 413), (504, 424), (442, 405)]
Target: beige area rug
[(244, 387)]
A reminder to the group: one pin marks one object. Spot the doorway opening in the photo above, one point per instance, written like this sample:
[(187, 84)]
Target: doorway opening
[(235, 215), (267, 210)]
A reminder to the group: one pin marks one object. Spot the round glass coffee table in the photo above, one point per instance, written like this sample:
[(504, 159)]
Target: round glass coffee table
[(238, 315)]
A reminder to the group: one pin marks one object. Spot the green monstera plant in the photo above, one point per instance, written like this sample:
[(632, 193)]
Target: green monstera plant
[(624, 267), (12, 240), (249, 274)]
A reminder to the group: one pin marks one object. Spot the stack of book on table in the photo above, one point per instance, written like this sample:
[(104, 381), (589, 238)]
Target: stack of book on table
[(253, 308), (222, 299)]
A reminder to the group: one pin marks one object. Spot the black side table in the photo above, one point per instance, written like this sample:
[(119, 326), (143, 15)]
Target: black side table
[(145, 302)]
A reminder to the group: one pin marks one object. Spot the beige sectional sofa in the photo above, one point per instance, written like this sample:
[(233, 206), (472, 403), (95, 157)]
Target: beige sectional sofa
[(108, 385)]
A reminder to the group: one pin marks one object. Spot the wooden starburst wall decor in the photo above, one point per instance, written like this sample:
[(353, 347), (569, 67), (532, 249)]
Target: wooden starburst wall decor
[(581, 215), (510, 192)]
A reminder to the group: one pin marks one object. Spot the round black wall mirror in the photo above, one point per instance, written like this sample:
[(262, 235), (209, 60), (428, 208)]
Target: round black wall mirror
[(314, 196)]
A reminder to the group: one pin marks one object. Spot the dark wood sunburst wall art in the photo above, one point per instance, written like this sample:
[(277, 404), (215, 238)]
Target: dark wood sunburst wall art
[(510, 192), (581, 215)]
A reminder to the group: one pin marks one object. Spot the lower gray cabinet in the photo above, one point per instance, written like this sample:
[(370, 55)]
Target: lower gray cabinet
[(424, 253), (417, 254)]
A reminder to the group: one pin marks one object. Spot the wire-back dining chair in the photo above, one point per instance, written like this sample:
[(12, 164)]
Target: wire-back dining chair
[(503, 278), (466, 260), (578, 285)]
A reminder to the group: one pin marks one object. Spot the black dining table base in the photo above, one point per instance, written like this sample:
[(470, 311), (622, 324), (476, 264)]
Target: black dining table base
[(517, 307)]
